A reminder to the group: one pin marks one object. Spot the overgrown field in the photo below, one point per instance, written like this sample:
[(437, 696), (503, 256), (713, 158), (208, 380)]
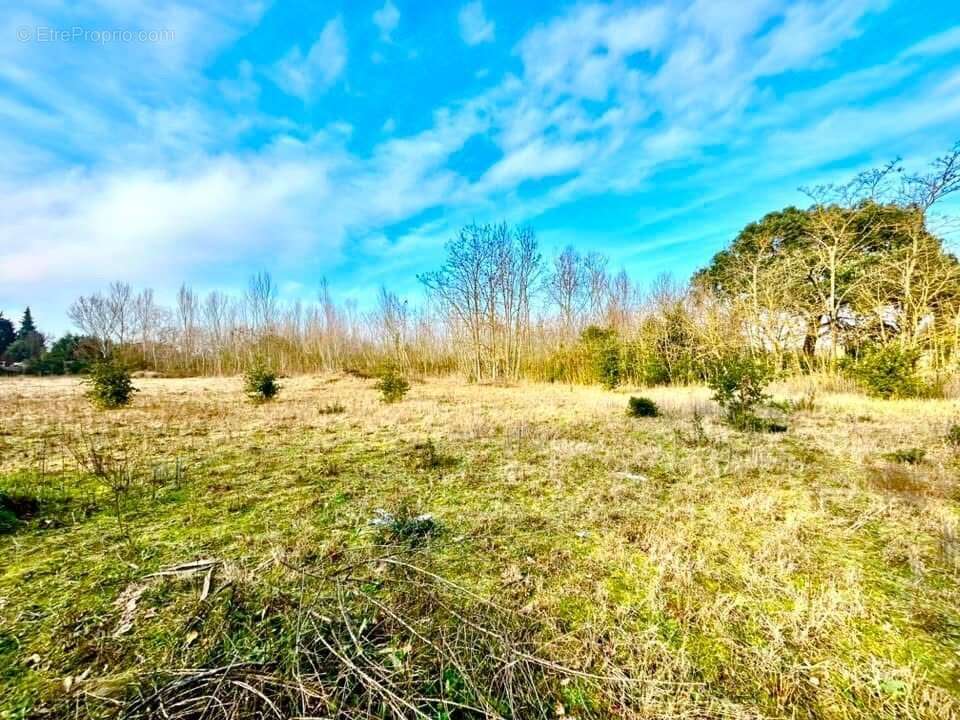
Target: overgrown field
[(473, 551)]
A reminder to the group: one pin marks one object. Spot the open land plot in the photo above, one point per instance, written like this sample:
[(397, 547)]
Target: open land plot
[(526, 551)]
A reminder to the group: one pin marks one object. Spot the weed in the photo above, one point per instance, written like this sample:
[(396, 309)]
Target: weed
[(405, 527), (749, 422), (807, 403), (425, 456), (334, 408), (906, 456), (698, 435)]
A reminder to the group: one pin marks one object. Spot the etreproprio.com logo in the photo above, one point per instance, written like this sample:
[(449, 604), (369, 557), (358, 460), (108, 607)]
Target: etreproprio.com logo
[(78, 34)]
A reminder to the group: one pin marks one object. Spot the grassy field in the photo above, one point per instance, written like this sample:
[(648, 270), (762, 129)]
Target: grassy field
[(521, 552)]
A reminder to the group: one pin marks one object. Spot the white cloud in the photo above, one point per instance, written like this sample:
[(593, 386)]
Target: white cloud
[(946, 42), (306, 76), (475, 28), (534, 161), (387, 18)]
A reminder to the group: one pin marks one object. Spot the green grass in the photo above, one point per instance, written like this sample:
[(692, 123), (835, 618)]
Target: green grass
[(750, 575)]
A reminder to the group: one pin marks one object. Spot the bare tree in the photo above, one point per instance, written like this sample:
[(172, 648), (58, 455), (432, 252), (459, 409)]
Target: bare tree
[(486, 284), (262, 302), (598, 284), (568, 289), (94, 316)]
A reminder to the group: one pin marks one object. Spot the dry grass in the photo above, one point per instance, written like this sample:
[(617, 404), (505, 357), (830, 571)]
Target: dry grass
[(649, 574)]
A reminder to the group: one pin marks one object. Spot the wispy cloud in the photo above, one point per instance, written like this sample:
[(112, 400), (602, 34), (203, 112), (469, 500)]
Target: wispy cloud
[(306, 75), (386, 19), (475, 28)]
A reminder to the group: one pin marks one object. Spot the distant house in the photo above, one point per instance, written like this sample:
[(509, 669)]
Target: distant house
[(16, 367)]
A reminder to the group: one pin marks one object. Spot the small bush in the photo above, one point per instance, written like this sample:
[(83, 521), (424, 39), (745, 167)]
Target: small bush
[(332, 409), (739, 385), (15, 507), (642, 407), (109, 385), (603, 348), (887, 371), (8, 521), (425, 455), (260, 383), (749, 422), (392, 386), (953, 436), (907, 456)]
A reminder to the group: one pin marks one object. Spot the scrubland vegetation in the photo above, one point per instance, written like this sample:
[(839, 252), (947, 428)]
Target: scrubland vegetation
[(543, 494), (475, 550)]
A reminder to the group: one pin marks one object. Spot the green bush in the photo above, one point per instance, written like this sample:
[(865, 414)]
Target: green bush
[(953, 436), (15, 507), (260, 383), (642, 407), (392, 386), (109, 384), (739, 384), (887, 371), (603, 349)]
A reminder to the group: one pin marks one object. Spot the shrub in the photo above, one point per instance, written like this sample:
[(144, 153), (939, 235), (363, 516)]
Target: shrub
[(8, 521), (642, 407), (332, 409), (907, 456), (260, 383), (109, 384), (953, 436), (603, 349), (887, 371), (392, 386), (15, 507), (425, 455), (739, 385), (607, 365)]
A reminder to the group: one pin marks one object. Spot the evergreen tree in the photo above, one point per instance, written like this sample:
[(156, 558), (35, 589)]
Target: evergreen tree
[(7, 334), (26, 325)]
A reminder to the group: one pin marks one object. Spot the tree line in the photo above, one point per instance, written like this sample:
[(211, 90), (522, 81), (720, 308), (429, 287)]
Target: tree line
[(860, 267)]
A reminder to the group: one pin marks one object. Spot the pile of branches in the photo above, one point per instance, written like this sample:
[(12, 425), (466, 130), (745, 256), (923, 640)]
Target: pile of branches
[(386, 638)]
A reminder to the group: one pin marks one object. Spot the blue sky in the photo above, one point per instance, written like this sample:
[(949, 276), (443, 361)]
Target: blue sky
[(159, 142)]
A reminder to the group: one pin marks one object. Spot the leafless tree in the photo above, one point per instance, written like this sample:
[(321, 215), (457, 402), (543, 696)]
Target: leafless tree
[(262, 302), (568, 289)]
